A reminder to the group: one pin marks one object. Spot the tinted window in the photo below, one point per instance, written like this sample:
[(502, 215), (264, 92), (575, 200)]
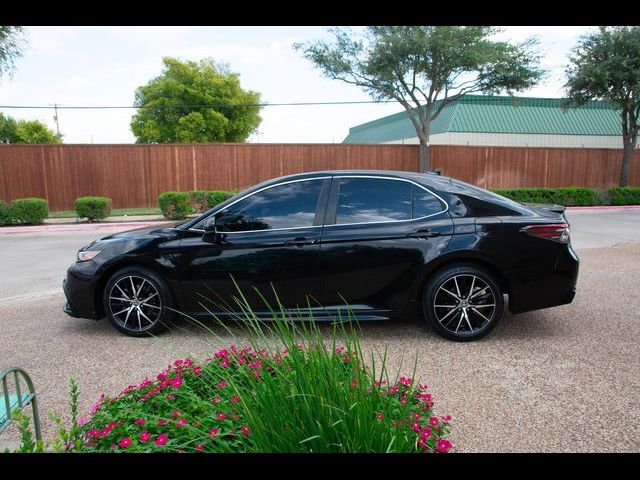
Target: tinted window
[(373, 200), (284, 206), (424, 203)]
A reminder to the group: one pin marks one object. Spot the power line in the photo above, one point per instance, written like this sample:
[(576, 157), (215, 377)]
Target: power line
[(212, 105)]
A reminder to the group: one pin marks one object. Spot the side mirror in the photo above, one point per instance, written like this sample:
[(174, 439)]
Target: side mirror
[(211, 234)]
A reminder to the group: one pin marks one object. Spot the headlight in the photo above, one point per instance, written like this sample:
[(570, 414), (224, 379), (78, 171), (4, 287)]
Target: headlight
[(85, 255)]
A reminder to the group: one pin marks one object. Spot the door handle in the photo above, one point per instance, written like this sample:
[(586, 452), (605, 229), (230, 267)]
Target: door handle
[(301, 241), (424, 233)]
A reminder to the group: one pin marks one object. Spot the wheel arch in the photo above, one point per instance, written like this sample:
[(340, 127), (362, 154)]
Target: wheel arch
[(125, 262), (468, 257)]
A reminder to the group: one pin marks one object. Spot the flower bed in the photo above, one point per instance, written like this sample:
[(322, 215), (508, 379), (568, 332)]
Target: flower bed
[(301, 399)]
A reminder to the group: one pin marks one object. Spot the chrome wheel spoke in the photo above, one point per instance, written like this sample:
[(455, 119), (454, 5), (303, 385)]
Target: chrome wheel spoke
[(142, 313), (460, 322), (150, 306), (479, 313), (133, 287), (473, 282), (140, 287), (449, 313), (148, 298), (466, 317), (478, 292), (123, 292), (455, 280), (483, 306), (129, 310), (123, 310), (139, 321), (450, 293)]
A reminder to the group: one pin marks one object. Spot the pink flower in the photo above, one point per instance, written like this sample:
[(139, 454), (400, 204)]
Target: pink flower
[(221, 384), (433, 421), (213, 432), (170, 397), (176, 413), (339, 350), (256, 374), (176, 382), (95, 407), (346, 358), (444, 445), (144, 436), (161, 422), (425, 433), (161, 376), (197, 370), (221, 416), (93, 433), (225, 363), (199, 447), (162, 439), (177, 363), (181, 422), (215, 399), (235, 399), (245, 430), (125, 442), (82, 421), (139, 421), (405, 380), (446, 418), (379, 415), (221, 353), (422, 386), (415, 426)]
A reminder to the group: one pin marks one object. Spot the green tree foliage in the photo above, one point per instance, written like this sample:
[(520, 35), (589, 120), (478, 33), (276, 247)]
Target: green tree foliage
[(26, 131), (163, 118), (425, 68), (605, 65), (11, 43)]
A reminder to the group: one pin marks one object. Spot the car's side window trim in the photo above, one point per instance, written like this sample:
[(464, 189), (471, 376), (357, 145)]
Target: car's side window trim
[(333, 202), (322, 190)]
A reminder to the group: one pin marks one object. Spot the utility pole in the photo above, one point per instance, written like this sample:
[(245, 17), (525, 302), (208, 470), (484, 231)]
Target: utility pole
[(55, 117)]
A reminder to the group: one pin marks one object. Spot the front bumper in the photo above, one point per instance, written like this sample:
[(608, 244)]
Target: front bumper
[(80, 291)]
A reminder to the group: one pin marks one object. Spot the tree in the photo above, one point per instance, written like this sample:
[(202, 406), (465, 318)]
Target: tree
[(171, 105), (425, 68), (605, 65), (10, 48), (26, 131)]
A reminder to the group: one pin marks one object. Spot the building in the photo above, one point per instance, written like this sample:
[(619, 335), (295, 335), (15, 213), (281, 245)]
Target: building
[(504, 121)]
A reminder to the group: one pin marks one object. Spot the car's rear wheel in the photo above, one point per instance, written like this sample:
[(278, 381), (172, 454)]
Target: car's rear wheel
[(462, 302), (138, 302)]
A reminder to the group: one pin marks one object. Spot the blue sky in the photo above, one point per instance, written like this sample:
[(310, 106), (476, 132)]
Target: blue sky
[(104, 65)]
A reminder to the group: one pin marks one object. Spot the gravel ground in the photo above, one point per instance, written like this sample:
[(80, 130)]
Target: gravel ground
[(562, 379)]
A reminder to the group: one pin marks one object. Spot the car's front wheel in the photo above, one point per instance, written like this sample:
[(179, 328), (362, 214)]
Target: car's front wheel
[(138, 302), (462, 302)]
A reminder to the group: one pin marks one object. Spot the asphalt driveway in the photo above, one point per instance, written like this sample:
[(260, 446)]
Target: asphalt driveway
[(561, 379)]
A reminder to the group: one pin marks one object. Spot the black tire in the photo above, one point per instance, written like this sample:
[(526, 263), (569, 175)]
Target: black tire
[(447, 306), (119, 294)]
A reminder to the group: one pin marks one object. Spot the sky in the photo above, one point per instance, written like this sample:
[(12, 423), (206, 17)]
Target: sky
[(77, 66)]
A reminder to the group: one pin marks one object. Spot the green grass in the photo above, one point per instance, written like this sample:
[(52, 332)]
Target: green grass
[(114, 212)]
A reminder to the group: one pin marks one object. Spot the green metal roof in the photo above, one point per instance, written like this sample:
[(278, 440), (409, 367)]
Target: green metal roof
[(498, 114)]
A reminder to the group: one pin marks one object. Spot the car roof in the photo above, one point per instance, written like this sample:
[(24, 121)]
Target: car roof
[(428, 179)]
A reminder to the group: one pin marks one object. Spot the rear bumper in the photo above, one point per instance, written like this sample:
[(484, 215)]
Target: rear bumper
[(534, 289)]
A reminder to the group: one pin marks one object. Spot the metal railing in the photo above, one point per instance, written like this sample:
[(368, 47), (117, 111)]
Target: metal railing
[(21, 401)]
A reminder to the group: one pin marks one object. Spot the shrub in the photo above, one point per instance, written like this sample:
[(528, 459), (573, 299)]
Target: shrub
[(30, 211), (198, 201), (624, 195), (297, 394), (5, 213), (569, 196), (174, 205), (93, 208), (216, 197)]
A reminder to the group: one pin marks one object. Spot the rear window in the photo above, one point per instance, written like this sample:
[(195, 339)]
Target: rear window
[(501, 203)]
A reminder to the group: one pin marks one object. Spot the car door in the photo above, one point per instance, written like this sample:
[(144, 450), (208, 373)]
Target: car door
[(268, 247), (379, 233)]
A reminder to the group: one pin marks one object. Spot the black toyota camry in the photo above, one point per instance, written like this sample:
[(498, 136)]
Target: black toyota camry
[(374, 244)]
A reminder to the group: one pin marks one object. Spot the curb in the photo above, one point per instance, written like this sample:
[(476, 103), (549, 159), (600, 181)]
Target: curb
[(80, 227), (603, 208)]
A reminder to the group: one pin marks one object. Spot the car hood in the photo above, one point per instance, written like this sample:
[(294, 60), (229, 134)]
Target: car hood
[(162, 229)]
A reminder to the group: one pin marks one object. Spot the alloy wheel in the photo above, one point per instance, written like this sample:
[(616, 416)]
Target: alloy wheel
[(135, 303), (464, 304)]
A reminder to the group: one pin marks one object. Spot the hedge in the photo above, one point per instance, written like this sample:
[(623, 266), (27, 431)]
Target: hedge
[(29, 211), (93, 208), (569, 196), (177, 205), (624, 195), (5, 213), (174, 205)]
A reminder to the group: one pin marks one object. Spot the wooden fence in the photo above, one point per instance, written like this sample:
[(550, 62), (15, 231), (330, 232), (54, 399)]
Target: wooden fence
[(134, 175)]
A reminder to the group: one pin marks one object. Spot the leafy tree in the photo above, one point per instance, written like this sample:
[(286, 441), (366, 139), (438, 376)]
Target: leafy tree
[(26, 131), (10, 48), (168, 112), (425, 68), (605, 65)]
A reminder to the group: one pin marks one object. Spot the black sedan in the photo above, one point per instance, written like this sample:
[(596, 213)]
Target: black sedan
[(322, 245)]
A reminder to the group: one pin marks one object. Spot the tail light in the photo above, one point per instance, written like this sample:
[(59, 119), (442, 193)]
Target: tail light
[(558, 232)]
